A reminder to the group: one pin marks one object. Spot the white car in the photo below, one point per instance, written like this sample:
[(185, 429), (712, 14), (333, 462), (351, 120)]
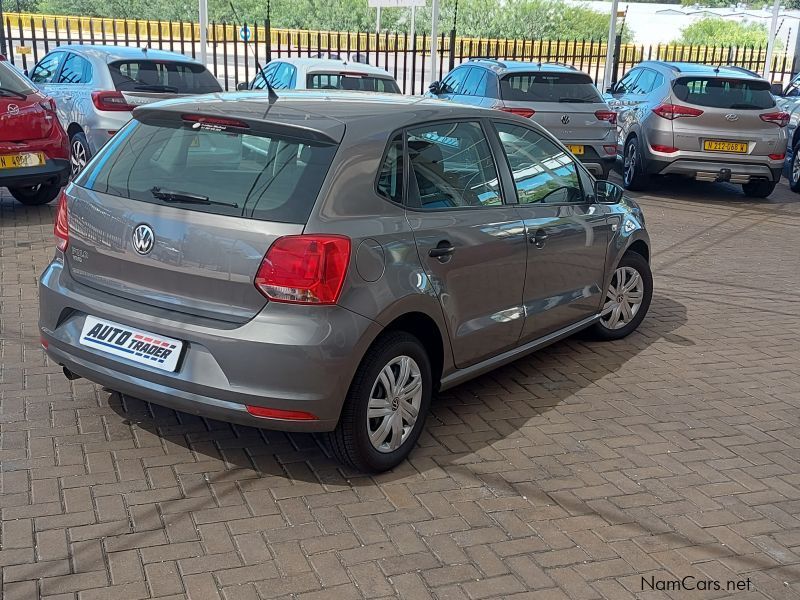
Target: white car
[(322, 74)]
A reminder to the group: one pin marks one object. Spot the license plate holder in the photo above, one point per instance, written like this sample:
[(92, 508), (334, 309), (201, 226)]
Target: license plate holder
[(576, 149), (728, 146), (137, 345), (22, 160)]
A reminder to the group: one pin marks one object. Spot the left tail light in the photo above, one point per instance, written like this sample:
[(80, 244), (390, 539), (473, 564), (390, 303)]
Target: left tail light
[(111, 101), (781, 119), (606, 115), (61, 225), (304, 269)]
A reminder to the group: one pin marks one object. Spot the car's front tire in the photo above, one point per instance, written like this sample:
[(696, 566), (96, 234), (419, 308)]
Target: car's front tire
[(79, 154), (759, 188), (627, 298), (634, 176), (36, 195), (385, 409), (794, 170)]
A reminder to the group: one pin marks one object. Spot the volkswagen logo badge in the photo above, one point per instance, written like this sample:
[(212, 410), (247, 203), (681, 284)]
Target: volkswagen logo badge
[(143, 239), (732, 117), (565, 119), (13, 109)]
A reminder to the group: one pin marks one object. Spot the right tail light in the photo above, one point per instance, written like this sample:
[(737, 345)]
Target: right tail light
[(781, 119)]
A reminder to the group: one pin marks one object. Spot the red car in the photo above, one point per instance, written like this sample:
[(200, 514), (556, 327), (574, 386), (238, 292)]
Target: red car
[(34, 149)]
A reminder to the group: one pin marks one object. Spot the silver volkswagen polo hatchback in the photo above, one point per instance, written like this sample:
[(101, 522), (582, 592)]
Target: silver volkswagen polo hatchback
[(327, 262)]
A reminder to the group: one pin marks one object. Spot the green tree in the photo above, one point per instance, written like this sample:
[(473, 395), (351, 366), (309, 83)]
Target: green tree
[(723, 32)]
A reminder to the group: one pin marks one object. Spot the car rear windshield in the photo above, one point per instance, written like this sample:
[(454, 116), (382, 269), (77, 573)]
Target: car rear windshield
[(13, 81), (718, 92), (549, 87), (268, 178), (162, 76), (361, 83)]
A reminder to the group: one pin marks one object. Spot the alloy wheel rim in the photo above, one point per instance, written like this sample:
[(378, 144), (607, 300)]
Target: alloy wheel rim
[(77, 157), (394, 404), (630, 163), (623, 298), (796, 166)]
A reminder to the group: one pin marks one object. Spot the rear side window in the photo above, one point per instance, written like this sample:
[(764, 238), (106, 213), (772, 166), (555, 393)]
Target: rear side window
[(162, 76), (339, 81), (717, 92), (13, 81), (214, 171), (390, 178), (549, 87)]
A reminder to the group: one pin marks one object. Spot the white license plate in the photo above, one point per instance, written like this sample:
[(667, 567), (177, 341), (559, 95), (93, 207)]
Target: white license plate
[(134, 344)]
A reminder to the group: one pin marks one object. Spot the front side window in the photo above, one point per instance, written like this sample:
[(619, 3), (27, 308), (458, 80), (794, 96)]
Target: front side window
[(625, 85), (454, 82), (160, 76), (543, 172), (475, 83), (645, 83), (45, 71), (451, 167), (390, 178), (285, 77), (76, 69), (219, 171)]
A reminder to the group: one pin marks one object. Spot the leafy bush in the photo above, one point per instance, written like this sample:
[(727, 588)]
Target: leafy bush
[(723, 32)]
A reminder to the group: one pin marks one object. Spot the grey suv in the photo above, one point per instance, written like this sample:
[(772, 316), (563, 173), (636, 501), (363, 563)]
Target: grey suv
[(709, 123), (97, 87), (560, 98), (310, 265)]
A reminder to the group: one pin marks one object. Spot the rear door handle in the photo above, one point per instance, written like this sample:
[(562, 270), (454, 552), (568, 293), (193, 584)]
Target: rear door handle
[(443, 251)]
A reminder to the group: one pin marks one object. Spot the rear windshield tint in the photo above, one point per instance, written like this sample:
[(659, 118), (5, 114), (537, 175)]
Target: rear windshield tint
[(338, 81), (162, 76), (549, 87), (13, 81), (717, 92), (221, 172)]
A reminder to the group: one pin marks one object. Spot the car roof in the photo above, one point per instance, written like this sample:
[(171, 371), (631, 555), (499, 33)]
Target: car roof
[(312, 65), (508, 66), (329, 111), (687, 68), (113, 53)]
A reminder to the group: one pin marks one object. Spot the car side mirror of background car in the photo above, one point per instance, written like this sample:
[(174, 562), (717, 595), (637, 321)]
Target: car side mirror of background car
[(777, 89), (606, 192), (610, 89), (25, 72), (242, 87), (435, 88)]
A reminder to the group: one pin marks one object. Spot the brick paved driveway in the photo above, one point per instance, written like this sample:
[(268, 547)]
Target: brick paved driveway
[(569, 474)]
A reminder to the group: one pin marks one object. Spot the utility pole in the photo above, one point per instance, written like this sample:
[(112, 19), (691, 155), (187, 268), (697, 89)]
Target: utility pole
[(2, 30), (434, 39), (612, 40), (204, 32), (773, 26)]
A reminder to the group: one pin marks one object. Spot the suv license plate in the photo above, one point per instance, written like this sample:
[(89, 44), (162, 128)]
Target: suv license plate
[(722, 146), (25, 159), (134, 344), (576, 150)]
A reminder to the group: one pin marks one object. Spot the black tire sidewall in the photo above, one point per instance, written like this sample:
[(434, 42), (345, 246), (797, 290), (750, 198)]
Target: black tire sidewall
[(79, 137), (760, 188), (45, 194), (362, 453), (638, 262)]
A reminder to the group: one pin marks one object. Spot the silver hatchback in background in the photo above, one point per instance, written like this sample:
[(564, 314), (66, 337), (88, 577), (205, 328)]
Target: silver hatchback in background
[(560, 98), (708, 123), (97, 87)]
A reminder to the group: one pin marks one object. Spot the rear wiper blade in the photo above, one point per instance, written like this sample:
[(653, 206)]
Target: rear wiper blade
[(574, 100), (156, 88), (745, 106), (171, 196), (7, 92)]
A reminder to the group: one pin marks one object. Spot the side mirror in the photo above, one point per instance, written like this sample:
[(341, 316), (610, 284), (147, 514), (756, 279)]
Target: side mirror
[(606, 192), (435, 88), (242, 87), (777, 89), (25, 72)]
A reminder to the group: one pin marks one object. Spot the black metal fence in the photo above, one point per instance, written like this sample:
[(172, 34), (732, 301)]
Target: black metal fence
[(234, 49)]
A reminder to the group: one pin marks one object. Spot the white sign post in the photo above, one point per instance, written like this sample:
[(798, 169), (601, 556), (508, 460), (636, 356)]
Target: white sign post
[(612, 40), (773, 26), (203, 32), (434, 40), (412, 4)]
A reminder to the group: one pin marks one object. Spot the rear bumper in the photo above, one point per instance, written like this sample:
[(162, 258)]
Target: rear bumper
[(288, 357), (594, 156), (53, 171), (716, 170)]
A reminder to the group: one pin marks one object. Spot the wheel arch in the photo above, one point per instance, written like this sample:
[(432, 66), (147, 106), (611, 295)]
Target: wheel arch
[(73, 129), (640, 247), (427, 331)]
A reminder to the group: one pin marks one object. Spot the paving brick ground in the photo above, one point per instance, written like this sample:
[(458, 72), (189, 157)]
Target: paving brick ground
[(573, 473)]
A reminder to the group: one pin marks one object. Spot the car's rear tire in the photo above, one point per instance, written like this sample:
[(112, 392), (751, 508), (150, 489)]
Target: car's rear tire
[(759, 188), (79, 153), (794, 170), (627, 298), (385, 409), (36, 195), (634, 176)]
